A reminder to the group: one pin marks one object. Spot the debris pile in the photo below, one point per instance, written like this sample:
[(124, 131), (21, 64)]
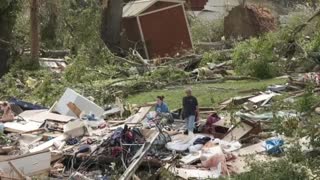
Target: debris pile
[(76, 138)]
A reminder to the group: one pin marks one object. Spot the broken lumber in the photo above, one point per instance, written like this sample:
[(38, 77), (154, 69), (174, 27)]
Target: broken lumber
[(239, 131), (48, 144), (137, 159)]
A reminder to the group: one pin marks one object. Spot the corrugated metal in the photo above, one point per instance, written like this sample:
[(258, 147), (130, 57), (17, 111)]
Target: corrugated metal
[(134, 8)]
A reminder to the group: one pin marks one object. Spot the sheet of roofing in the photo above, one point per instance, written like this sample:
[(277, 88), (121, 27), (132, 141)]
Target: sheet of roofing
[(134, 8)]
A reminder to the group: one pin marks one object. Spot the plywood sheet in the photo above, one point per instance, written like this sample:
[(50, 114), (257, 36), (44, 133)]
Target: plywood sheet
[(41, 116), (238, 132), (249, 150), (29, 165), (18, 127)]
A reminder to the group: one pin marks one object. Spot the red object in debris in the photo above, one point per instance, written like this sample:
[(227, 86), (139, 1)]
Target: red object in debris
[(196, 5), (156, 28), (102, 126), (116, 151)]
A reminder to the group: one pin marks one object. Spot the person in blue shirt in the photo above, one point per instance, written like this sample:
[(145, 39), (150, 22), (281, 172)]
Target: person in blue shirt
[(162, 109), (161, 106)]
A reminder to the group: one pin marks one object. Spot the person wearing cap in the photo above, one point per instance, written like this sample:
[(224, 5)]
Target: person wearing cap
[(190, 109), (7, 112)]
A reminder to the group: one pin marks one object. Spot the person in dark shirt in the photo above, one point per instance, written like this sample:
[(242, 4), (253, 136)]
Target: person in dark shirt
[(190, 109)]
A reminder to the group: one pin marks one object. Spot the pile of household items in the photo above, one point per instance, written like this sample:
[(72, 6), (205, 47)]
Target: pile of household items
[(78, 139)]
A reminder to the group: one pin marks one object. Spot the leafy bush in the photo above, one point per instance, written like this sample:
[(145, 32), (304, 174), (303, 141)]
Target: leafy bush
[(305, 103), (281, 169), (206, 31), (255, 57), (212, 57)]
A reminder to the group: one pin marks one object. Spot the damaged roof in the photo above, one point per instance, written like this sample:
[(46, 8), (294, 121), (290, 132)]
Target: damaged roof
[(134, 8)]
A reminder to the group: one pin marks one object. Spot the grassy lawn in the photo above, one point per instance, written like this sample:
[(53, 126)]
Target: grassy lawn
[(208, 94)]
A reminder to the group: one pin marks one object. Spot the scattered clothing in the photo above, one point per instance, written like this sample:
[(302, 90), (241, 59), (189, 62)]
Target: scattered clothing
[(72, 141), (202, 141)]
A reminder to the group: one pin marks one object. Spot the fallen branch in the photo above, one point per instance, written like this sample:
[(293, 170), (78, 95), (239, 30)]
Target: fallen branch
[(228, 78), (127, 61)]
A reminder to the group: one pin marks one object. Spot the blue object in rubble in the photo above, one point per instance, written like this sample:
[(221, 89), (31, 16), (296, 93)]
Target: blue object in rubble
[(25, 105), (274, 146), (90, 117)]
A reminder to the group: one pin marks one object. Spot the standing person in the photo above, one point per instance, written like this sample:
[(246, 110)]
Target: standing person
[(190, 110)]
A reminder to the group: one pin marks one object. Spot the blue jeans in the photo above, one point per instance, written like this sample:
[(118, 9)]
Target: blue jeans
[(190, 121)]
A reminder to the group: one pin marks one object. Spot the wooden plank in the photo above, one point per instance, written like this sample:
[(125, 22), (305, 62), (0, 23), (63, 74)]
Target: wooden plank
[(48, 144), (262, 97), (19, 173), (140, 115), (74, 108), (249, 150), (139, 157), (187, 173), (238, 132), (136, 118)]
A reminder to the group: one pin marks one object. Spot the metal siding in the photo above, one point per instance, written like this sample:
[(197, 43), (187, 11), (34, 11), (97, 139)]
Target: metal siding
[(166, 32)]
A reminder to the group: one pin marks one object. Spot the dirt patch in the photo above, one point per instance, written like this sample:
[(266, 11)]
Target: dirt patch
[(247, 21)]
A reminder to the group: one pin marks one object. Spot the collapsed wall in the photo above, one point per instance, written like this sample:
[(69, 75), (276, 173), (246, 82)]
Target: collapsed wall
[(247, 21)]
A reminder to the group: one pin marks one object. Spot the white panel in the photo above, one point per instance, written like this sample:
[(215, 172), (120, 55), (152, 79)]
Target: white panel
[(81, 102)]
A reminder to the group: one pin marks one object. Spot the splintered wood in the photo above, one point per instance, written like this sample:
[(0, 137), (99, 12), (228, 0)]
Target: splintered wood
[(238, 132)]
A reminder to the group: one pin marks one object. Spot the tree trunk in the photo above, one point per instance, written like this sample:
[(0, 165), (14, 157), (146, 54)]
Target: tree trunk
[(7, 21), (34, 15), (111, 24), (48, 30)]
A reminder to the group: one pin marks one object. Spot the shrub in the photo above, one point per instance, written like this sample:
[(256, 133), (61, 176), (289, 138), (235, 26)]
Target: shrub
[(206, 31), (212, 57), (255, 57), (281, 169), (305, 103)]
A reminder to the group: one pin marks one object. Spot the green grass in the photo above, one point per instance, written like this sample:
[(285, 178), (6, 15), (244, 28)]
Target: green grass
[(208, 94)]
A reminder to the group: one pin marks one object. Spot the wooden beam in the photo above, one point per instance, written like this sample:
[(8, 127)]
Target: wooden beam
[(137, 161), (20, 174)]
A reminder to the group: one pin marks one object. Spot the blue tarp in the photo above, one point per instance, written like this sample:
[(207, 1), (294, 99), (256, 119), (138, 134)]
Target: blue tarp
[(274, 146)]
